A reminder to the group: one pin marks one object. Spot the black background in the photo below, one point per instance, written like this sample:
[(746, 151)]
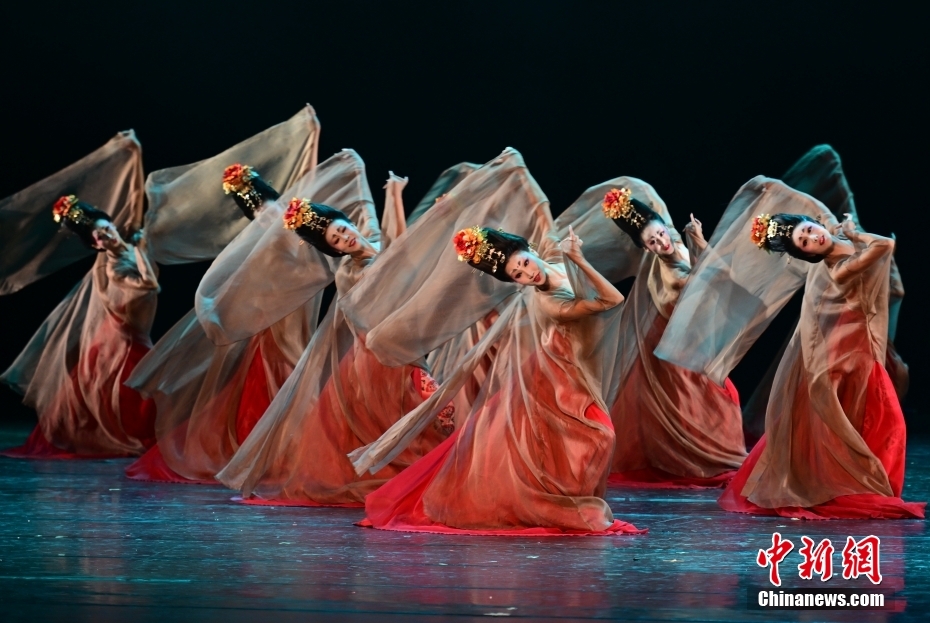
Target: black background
[(695, 98)]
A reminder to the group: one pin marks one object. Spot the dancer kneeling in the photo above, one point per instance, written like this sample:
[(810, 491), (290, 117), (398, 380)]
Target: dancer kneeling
[(675, 427), (533, 456), (337, 398), (834, 444)]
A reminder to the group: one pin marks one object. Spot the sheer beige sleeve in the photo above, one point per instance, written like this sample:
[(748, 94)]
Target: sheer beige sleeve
[(449, 179), (190, 219), (432, 296), (267, 272), (34, 246), (736, 289)]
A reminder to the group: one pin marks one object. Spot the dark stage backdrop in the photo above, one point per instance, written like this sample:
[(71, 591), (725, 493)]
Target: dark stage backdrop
[(695, 98)]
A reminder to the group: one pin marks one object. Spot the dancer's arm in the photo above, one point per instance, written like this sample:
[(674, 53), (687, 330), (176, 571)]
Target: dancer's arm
[(877, 247), (606, 296), (695, 233)]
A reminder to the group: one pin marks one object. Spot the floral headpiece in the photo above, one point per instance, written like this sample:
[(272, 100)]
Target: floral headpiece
[(237, 179), (67, 208), (764, 228), (472, 246), (618, 204), (300, 213)]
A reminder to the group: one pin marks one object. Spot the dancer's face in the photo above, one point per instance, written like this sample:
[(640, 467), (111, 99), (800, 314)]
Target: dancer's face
[(105, 235), (343, 236), (526, 269), (812, 238), (656, 238)]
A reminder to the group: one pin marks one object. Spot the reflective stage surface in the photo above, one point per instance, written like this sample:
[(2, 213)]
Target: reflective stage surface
[(80, 542)]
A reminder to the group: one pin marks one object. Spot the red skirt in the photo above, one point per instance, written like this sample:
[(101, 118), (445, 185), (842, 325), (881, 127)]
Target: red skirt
[(254, 400), (398, 505), (136, 417), (668, 417), (884, 432)]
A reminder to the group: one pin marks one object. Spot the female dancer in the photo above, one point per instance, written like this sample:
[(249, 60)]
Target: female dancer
[(676, 428), (834, 440), (834, 445), (209, 396), (339, 396), (819, 173), (533, 455), (203, 419), (90, 413)]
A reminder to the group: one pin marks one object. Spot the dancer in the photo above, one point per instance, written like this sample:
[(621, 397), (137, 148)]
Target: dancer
[(532, 456), (834, 444), (208, 397), (339, 396), (675, 427), (819, 173), (71, 371), (205, 412)]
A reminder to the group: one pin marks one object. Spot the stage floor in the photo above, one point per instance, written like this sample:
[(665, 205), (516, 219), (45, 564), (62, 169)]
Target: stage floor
[(79, 542)]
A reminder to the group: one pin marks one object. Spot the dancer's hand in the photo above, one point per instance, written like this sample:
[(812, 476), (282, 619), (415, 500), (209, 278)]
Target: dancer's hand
[(571, 246), (849, 228), (694, 229)]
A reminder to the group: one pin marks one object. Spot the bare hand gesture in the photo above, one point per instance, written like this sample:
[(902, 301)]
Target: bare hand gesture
[(849, 228), (571, 246), (694, 229)]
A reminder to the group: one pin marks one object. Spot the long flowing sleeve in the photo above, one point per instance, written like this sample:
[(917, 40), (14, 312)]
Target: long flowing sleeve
[(433, 297), (33, 245), (189, 219), (449, 179), (267, 273), (736, 289)]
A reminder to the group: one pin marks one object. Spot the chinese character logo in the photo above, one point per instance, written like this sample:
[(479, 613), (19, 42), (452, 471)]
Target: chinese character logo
[(862, 558), (774, 555), (817, 560)]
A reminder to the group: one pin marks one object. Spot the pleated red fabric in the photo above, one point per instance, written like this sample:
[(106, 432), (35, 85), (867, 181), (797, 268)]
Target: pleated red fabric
[(678, 429), (401, 504), (884, 432)]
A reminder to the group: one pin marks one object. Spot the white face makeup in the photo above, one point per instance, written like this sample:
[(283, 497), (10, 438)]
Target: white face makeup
[(656, 238), (105, 235), (812, 238), (526, 269), (343, 236)]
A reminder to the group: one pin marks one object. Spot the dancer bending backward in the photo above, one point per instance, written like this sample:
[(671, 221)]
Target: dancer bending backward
[(107, 324), (339, 396), (209, 397), (835, 437), (71, 371), (819, 173), (208, 392), (539, 459), (532, 456), (834, 443), (675, 427)]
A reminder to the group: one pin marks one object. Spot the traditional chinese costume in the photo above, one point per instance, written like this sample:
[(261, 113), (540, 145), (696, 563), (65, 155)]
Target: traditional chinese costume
[(533, 454), (339, 396), (834, 444), (71, 371)]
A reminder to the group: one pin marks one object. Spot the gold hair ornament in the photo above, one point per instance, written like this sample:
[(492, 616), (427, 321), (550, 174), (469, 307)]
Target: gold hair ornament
[(67, 208), (472, 246), (618, 204), (237, 179), (300, 213), (765, 228)]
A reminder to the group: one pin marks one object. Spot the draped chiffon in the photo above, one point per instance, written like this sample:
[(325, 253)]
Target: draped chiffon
[(339, 397), (219, 369), (532, 456), (73, 369)]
